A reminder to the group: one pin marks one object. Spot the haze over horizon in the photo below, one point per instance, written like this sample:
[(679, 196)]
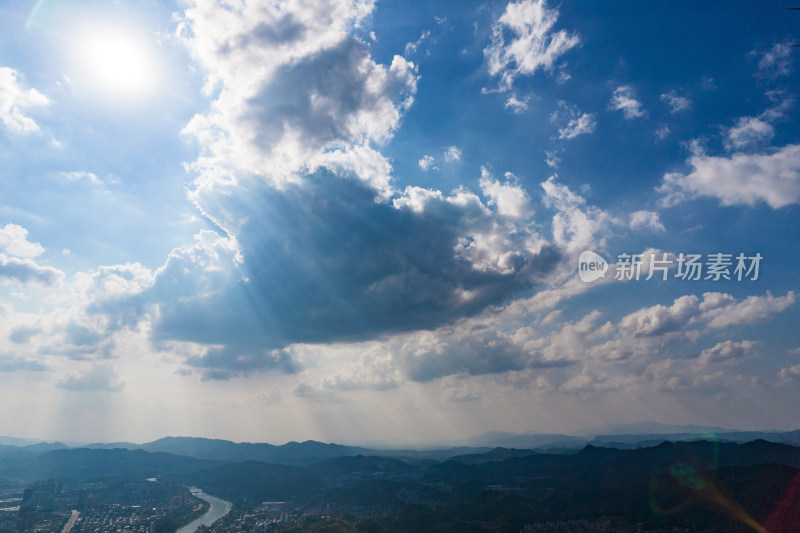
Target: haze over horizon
[(359, 221)]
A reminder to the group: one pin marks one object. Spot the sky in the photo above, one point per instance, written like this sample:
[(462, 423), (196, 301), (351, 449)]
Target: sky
[(396, 222)]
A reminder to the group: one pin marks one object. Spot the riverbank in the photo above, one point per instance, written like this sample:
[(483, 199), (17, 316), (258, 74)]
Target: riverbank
[(217, 509)]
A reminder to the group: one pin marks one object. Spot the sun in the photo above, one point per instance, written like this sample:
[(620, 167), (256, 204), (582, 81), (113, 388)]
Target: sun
[(117, 62)]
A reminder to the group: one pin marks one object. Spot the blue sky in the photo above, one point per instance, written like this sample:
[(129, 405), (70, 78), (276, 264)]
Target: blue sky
[(350, 220)]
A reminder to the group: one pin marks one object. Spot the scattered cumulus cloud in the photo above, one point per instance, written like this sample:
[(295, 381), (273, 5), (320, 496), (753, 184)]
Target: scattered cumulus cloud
[(452, 153), (411, 48), (649, 220), (714, 310), (552, 158), (584, 124), (723, 312), (449, 155), (524, 41), (789, 374), (14, 241), (80, 175), (623, 100), (728, 351), (426, 162), (517, 105), (577, 123), (748, 131), (14, 98), (751, 133), (775, 62), (675, 102), (576, 226), (741, 179), (509, 198)]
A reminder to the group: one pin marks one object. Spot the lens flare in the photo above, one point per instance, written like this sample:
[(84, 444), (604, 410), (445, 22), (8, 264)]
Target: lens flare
[(694, 470)]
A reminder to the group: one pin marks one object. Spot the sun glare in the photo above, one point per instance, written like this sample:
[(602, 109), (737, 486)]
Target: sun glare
[(117, 63)]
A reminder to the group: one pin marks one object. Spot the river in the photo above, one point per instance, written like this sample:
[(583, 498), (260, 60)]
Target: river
[(218, 509)]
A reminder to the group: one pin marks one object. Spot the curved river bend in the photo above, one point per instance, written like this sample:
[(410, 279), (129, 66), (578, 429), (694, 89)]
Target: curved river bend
[(218, 509)]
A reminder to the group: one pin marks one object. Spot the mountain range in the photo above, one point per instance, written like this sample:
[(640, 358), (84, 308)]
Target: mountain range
[(631, 436)]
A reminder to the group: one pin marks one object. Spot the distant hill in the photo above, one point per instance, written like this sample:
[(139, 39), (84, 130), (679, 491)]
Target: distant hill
[(646, 440), (499, 443), (657, 428), (91, 464), (15, 441), (498, 454), (294, 453), (291, 453), (500, 439), (629, 436), (108, 445)]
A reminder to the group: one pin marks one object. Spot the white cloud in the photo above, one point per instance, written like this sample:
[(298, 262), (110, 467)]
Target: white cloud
[(675, 102), (789, 374), (646, 220), (752, 132), (660, 319), (523, 41), (296, 92), (515, 105), (576, 226), (728, 351), (662, 132), (551, 157), (775, 62), (715, 311), (509, 198), (452, 153), (426, 163), (751, 310), (14, 240), (584, 124), (411, 48), (623, 100), (572, 121), (748, 131), (79, 175), (14, 98), (741, 179), (26, 270)]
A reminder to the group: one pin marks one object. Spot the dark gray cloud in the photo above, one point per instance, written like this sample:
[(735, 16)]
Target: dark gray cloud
[(477, 352), (323, 262), (232, 360), (336, 95)]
